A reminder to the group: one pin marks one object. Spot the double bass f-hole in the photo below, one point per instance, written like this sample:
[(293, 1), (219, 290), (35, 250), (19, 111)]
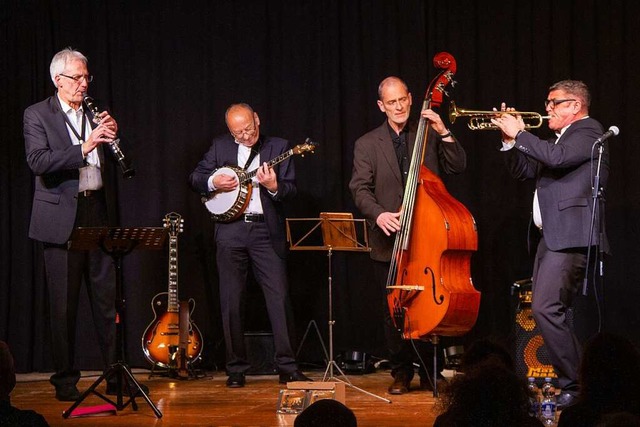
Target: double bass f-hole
[(436, 300), (408, 292)]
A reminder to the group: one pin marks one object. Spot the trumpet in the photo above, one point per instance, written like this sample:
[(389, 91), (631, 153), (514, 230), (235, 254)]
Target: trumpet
[(125, 164), (481, 120)]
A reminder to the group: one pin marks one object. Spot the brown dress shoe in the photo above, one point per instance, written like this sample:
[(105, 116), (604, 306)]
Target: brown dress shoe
[(401, 383)]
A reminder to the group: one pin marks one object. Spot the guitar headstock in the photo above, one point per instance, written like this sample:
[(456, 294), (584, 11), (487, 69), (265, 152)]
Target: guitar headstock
[(307, 146), (174, 222)]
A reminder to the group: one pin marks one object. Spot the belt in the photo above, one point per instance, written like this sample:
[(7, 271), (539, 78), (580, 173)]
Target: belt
[(253, 217), (89, 193)]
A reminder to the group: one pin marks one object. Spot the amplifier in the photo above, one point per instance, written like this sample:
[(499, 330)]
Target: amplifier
[(531, 357), (260, 353)]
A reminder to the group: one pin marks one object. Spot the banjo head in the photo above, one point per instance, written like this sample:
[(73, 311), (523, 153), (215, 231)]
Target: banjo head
[(227, 205)]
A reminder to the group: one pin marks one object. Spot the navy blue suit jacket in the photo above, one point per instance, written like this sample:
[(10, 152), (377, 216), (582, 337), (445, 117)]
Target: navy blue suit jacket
[(55, 161), (224, 152), (563, 173)]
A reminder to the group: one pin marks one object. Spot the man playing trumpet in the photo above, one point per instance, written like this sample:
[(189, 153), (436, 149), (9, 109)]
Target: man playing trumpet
[(562, 209)]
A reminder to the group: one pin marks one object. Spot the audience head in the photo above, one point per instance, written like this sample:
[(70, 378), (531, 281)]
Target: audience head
[(486, 349), (619, 419), (7, 372), (326, 413), (487, 394), (610, 374)]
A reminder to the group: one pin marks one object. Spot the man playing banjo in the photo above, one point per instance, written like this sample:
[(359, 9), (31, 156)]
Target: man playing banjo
[(254, 237)]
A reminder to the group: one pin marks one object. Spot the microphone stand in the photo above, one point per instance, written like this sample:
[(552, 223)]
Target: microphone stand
[(597, 207)]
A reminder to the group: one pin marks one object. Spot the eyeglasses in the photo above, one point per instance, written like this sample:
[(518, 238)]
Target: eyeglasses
[(555, 102), (88, 77), (249, 132)]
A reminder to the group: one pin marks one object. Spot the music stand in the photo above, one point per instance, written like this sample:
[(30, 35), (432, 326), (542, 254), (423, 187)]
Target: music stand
[(338, 231), (117, 242)]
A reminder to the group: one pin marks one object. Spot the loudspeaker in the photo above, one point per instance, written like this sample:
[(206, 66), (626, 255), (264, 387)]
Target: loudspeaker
[(531, 356), (260, 353)]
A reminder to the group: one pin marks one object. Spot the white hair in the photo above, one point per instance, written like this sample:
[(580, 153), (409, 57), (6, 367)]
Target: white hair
[(60, 60)]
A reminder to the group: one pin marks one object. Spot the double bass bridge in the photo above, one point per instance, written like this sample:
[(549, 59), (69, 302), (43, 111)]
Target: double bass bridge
[(407, 287)]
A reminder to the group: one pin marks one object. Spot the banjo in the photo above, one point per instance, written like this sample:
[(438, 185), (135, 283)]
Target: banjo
[(226, 206)]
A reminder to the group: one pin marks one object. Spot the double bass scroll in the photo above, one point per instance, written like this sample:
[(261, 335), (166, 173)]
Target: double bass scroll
[(429, 287)]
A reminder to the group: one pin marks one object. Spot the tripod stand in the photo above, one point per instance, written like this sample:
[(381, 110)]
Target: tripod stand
[(117, 242), (338, 234)]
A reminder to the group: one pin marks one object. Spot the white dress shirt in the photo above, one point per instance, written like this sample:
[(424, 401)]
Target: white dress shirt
[(90, 177)]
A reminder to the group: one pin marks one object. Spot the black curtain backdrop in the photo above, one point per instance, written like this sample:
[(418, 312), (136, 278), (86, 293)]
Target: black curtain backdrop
[(167, 70)]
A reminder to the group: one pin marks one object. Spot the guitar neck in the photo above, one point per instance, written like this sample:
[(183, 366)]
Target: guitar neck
[(281, 158), (172, 305)]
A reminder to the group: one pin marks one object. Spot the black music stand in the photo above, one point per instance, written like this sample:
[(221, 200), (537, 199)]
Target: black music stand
[(338, 231), (117, 242)]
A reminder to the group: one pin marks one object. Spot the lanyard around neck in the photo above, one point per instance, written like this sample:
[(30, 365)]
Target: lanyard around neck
[(80, 136)]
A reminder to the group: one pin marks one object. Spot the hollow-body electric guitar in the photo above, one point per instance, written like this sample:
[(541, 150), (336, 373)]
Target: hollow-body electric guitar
[(172, 340)]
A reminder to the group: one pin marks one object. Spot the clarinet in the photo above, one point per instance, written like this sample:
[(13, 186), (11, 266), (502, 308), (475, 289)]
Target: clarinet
[(125, 164)]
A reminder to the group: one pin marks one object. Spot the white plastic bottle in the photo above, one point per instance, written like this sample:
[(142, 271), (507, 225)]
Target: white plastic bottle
[(548, 403)]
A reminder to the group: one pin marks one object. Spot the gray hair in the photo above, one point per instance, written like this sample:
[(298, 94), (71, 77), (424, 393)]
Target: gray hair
[(60, 60), (576, 88)]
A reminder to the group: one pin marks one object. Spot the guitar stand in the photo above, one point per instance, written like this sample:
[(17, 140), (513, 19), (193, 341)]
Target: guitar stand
[(117, 242)]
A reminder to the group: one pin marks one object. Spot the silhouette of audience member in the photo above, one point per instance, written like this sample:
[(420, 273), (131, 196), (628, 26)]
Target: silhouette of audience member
[(619, 419), (10, 416), (488, 393), (609, 378), (486, 349), (326, 413)]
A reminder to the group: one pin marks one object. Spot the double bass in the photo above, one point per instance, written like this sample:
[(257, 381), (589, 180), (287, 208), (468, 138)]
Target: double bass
[(429, 287)]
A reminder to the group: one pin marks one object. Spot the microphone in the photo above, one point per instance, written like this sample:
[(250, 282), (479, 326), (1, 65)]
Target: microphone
[(613, 131)]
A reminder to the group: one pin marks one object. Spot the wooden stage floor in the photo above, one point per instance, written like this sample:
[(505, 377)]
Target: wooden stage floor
[(208, 402)]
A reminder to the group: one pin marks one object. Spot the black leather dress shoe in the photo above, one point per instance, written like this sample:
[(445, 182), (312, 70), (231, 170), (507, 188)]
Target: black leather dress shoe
[(564, 400), (401, 383), (67, 393), (235, 380), (112, 389), (293, 376)]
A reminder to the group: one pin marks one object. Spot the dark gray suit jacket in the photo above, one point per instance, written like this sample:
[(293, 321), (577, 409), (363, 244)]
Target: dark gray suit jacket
[(376, 183), (563, 173), (224, 152), (55, 161)]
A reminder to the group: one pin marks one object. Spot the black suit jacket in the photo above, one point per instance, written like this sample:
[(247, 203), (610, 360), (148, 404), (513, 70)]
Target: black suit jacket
[(563, 173), (55, 161), (376, 182), (224, 152)]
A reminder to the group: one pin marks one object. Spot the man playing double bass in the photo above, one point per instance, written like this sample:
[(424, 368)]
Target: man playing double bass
[(380, 167)]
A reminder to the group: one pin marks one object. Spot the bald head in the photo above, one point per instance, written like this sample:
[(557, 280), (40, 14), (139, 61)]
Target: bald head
[(243, 124), (391, 81), (395, 101)]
